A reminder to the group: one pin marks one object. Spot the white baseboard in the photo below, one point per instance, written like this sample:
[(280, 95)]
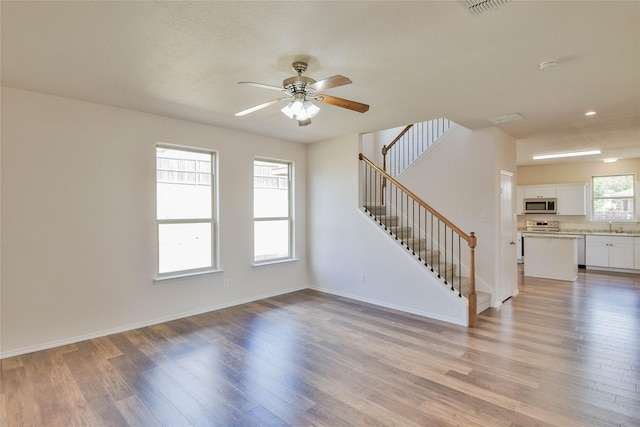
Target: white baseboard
[(98, 334), (392, 306)]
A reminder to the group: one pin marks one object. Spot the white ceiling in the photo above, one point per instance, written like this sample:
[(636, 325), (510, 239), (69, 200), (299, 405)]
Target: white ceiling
[(410, 61)]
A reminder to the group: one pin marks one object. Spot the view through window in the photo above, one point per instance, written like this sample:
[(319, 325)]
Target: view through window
[(184, 210), (272, 210), (614, 198)]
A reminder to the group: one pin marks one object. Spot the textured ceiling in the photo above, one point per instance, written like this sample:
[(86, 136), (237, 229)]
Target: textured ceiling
[(410, 61)]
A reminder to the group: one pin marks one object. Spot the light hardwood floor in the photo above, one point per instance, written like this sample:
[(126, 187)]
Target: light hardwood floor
[(559, 354)]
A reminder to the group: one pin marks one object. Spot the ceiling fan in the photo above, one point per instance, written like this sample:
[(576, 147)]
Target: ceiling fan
[(300, 90)]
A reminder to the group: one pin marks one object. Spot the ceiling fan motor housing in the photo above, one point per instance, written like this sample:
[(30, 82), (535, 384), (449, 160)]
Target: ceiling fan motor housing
[(298, 83)]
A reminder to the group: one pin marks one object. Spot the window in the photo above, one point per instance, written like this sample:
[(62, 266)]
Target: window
[(185, 210), (272, 213), (613, 198)]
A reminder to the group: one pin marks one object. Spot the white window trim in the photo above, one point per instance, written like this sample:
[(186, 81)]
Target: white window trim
[(159, 277), (636, 190), (289, 218)]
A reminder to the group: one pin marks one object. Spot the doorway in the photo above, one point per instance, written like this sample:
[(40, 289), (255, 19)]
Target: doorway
[(507, 265)]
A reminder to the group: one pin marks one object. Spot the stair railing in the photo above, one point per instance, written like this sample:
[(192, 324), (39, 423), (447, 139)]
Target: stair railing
[(411, 143), (435, 240)]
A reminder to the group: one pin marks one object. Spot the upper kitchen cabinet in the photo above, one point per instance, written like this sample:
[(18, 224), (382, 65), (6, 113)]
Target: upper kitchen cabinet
[(520, 201), (572, 199), (540, 191)]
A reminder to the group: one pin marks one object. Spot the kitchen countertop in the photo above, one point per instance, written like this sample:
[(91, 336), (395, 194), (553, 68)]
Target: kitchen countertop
[(591, 233), (549, 235)]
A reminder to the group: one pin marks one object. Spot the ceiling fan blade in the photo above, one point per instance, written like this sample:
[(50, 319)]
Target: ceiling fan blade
[(344, 103), (304, 122), (262, 85), (330, 82), (261, 106)]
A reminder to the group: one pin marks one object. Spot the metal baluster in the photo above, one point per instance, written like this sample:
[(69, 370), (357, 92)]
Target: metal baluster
[(395, 209), (459, 266), (367, 180), (401, 217), (419, 229), (413, 226), (438, 245)]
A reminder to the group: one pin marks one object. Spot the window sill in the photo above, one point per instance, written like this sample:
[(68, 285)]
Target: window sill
[(274, 262), (179, 276)]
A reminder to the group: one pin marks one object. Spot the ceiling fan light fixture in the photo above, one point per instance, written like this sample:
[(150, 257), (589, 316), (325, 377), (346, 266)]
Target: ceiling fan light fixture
[(300, 108), (312, 109)]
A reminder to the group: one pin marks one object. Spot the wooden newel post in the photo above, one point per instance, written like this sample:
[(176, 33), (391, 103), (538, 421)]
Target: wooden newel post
[(473, 299)]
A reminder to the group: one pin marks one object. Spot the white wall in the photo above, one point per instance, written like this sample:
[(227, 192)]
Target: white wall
[(344, 244), (78, 221)]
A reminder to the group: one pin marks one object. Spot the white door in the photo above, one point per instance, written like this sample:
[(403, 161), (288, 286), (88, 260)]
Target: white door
[(507, 261)]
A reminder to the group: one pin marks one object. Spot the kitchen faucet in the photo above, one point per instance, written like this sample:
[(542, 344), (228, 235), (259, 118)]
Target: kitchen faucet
[(610, 230)]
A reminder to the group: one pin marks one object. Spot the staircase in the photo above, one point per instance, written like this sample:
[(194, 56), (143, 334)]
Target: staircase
[(427, 235), (423, 251)]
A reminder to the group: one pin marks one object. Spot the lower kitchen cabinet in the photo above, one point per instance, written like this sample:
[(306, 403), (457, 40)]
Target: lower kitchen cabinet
[(637, 252), (610, 251)]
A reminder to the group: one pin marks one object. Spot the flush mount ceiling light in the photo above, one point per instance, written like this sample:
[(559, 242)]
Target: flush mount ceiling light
[(590, 113), (571, 154), (611, 160)]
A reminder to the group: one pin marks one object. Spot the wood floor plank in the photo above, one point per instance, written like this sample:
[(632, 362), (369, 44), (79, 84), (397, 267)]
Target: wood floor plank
[(559, 354), (135, 413)]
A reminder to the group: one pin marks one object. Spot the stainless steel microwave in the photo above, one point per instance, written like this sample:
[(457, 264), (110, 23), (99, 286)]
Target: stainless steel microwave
[(539, 206)]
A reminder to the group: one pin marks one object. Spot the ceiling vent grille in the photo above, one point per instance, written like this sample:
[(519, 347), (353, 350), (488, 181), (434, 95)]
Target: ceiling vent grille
[(477, 7), (513, 117)]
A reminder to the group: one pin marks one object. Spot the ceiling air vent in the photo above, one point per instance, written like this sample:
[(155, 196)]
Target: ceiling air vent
[(498, 120), (476, 7)]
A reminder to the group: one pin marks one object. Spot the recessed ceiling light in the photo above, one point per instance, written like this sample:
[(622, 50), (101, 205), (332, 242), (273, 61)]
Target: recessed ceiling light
[(611, 160), (572, 154), (590, 113)]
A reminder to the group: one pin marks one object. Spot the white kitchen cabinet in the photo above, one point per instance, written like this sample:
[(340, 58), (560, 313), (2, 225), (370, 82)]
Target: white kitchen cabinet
[(551, 256), (610, 251), (539, 191), (637, 252), (520, 201), (572, 199)]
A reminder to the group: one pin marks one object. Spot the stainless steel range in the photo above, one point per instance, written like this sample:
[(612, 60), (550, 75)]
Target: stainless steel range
[(545, 226)]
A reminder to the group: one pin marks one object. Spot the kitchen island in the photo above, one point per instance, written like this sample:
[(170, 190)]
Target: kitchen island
[(551, 256)]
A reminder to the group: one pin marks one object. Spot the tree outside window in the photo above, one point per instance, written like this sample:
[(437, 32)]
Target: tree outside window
[(613, 198)]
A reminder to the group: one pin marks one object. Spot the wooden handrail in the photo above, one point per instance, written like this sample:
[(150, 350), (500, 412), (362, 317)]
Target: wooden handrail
[(386, 148), (470, 238)]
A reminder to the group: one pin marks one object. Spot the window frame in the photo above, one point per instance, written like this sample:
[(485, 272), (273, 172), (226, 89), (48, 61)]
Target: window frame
[(290, 212), (634, 212), (212, 220)]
